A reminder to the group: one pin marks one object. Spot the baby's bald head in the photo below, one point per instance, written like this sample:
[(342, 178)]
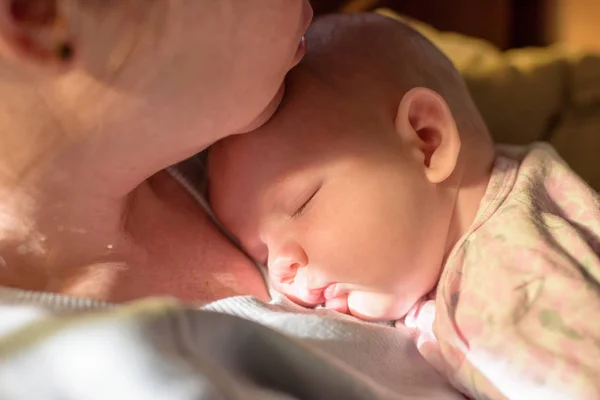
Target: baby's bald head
[(382, 57)]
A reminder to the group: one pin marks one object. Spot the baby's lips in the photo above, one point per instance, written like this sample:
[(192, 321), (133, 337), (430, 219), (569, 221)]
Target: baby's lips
[(332, 291), (339, 304), (299, 294), (311, 297)]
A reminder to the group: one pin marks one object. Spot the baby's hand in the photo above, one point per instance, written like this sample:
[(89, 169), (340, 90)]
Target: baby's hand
[(420, 323)]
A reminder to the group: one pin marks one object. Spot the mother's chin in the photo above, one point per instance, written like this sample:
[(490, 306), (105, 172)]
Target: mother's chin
[(267, 113)]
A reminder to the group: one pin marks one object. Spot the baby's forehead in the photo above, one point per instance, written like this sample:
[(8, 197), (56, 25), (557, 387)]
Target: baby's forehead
[(246, 170), (249, 160), (251, 154), (316, 119)]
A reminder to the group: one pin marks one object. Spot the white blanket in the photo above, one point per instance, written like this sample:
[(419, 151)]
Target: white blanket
[(157, 349)]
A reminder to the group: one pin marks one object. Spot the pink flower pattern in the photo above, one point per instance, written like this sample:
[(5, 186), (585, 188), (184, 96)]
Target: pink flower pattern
[(517, 309)]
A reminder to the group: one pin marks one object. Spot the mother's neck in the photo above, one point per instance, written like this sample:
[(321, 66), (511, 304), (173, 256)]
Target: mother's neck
[(71, 153)]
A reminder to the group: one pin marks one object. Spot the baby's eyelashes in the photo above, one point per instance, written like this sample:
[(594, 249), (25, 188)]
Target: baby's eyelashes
[(305, 204)]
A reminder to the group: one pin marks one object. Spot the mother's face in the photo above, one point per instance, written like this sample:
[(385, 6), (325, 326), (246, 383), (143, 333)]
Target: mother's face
[(227, 58), (193, 68), (260, 41)]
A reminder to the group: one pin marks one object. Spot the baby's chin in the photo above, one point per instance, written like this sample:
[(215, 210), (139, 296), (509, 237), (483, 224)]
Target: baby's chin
[(378, 306), (266, 114)]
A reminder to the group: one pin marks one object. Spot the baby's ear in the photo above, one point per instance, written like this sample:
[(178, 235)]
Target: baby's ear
[(35, 33), (425, 122)]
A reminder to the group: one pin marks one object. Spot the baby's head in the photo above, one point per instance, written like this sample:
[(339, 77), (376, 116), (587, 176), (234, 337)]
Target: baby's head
[(348, 193)]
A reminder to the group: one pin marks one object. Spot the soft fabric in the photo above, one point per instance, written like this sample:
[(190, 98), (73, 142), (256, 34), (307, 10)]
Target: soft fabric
[(531, 94), (517, 308), (158, 349)]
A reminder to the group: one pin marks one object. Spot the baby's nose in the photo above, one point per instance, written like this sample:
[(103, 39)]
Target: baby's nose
[(285, 260), (283, 270), (288, 272), (296, 285)]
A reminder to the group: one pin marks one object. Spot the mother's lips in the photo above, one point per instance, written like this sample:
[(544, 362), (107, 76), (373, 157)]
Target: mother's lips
[(300, 52), (308, 14)]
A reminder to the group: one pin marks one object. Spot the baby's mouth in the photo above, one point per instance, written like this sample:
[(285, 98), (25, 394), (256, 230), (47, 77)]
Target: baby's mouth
[(331, 292), (293, 287), (339, 304), (336, 298)]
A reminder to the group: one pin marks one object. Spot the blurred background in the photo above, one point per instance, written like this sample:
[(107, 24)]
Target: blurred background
[(505, 23)]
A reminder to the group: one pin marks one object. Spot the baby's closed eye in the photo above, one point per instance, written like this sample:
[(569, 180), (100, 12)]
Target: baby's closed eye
[(300, 210)]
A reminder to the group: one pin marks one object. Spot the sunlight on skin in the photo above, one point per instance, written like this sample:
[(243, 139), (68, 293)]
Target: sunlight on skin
[(91, 281), (16, 223), (227, 280)]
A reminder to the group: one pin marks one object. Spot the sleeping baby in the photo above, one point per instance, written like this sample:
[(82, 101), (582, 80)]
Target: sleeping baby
[(376, 190)]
